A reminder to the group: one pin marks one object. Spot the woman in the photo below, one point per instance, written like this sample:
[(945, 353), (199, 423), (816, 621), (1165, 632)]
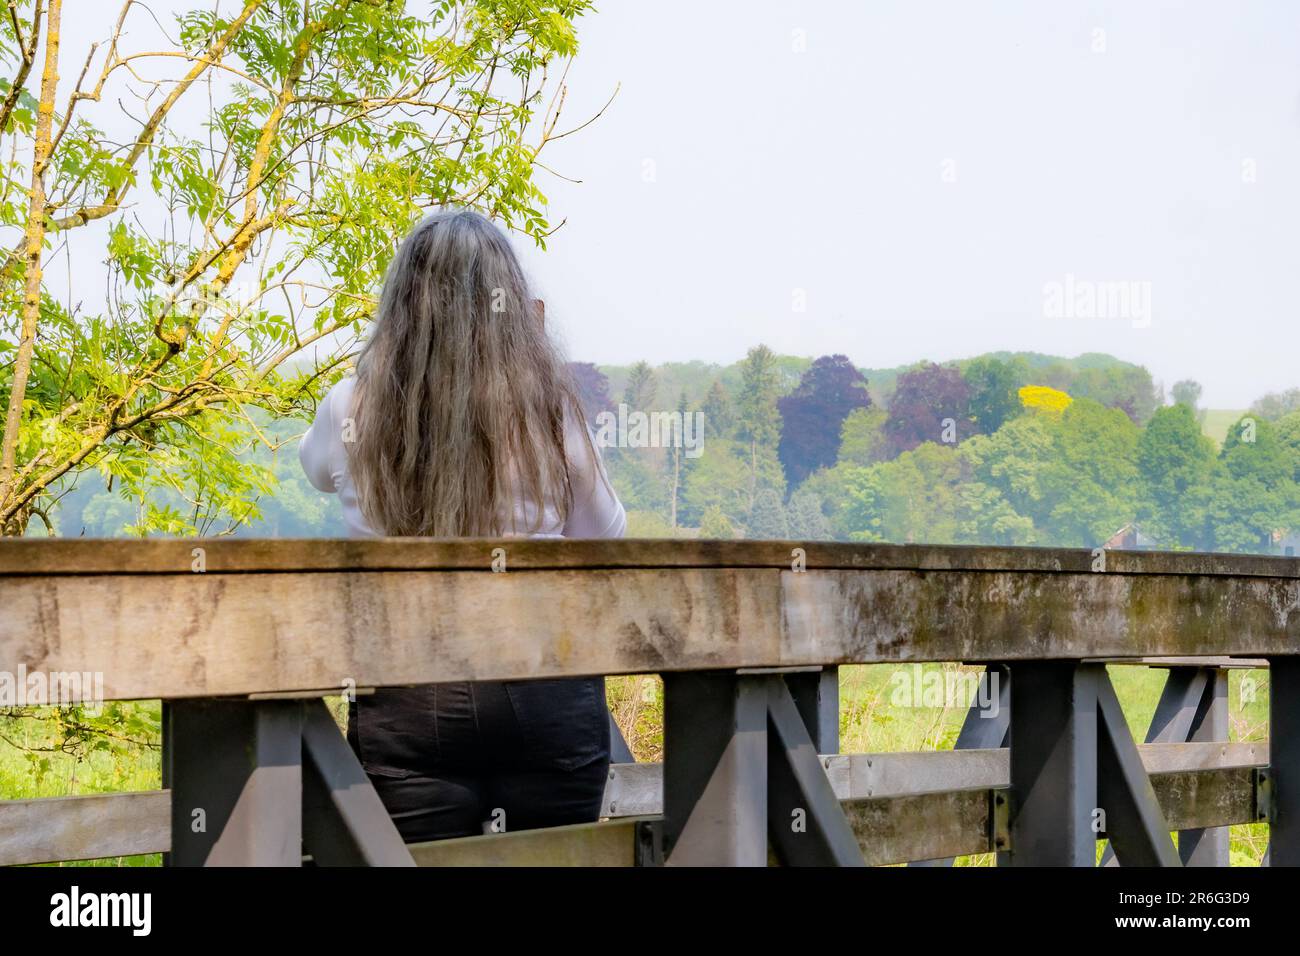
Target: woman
[(461, 422)]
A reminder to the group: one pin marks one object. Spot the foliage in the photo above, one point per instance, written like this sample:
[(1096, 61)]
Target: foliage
[(1187, 392), (1041, 398), (715, 524), (1128, 388), (647, 524), (593, 389), (911, 499), (994, 386), (724, 477), (862, 436), (1254, 492), (1176, 464), (806, 517), (717, 411), (642, 386), (1274, 405), (768, 518), (332, 125), (1288, 435), (758, 421), (1089, 485), (812, 415), (926, 399)]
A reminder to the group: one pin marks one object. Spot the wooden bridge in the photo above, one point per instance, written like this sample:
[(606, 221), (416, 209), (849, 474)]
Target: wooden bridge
[(241, 639)]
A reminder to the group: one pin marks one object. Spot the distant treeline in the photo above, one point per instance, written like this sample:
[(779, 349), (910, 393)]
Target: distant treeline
[(1017, 449), (1004, 448)]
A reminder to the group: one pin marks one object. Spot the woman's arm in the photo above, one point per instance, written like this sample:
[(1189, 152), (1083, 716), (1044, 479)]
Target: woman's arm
[(596, 510), (316, 450)]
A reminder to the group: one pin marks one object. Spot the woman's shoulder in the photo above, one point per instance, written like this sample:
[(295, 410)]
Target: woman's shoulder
[(339, 398), (342, 389)]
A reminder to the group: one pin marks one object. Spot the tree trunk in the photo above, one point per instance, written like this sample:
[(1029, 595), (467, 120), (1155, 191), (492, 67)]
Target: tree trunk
[(34, 240), (677, 470)]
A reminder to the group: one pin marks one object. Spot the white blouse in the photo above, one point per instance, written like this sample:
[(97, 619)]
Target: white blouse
[(596, 511)]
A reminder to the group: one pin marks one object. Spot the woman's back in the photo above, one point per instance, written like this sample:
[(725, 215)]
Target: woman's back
[(462, 422), (596, 511)]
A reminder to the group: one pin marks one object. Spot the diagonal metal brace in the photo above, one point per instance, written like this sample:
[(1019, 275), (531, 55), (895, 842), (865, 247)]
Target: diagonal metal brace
[(1135, 823), (806, 825), (344, 823)]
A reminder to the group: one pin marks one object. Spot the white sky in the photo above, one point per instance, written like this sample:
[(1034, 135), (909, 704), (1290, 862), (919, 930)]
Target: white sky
[(823, 171)]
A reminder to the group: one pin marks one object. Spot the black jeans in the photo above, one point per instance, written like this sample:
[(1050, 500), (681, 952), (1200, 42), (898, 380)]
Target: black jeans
[(448, 758)]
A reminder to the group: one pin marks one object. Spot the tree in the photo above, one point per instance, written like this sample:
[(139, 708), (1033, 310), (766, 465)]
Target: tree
[(1012, 461), (912, 499), (1089, 485), (332, 126), (715, 524), (993, 391), (1253, 449), (635, 474), (1117, 385), (758, 422), (642, 386), (986, 517), (722, 478), (592, 387), (680, 462), (813, 414), (830, 486), (1288, 435), (930, 403), (862, 436), (807, 520), (768, 518), (717, 412), (1176, 463), (1254, 493), (1187, 392), (1276, 404), (1044, 400)]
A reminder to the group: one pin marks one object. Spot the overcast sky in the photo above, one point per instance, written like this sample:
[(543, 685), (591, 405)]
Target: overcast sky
[(909, 180), (922, 171)]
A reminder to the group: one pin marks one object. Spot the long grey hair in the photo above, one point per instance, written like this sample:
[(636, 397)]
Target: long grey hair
[(462, 402)]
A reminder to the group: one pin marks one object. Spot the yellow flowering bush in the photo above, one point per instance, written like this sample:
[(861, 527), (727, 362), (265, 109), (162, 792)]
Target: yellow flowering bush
[(1043, 399)]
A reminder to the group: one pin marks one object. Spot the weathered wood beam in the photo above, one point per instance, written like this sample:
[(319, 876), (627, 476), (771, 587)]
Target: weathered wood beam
[(93, 827), (609, 843), (234, 634), (24, 556)]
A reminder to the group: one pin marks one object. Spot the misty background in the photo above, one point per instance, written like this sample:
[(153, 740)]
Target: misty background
[(1152, 142)]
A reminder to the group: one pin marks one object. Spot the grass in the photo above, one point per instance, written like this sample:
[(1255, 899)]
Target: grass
[(872, 720), (35, 761), (1217, 421)]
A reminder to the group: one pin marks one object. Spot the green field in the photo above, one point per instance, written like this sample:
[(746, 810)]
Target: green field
[(1217, 421)]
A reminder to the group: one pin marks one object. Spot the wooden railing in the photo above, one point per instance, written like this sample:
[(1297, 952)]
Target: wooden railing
[(241, 639)]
